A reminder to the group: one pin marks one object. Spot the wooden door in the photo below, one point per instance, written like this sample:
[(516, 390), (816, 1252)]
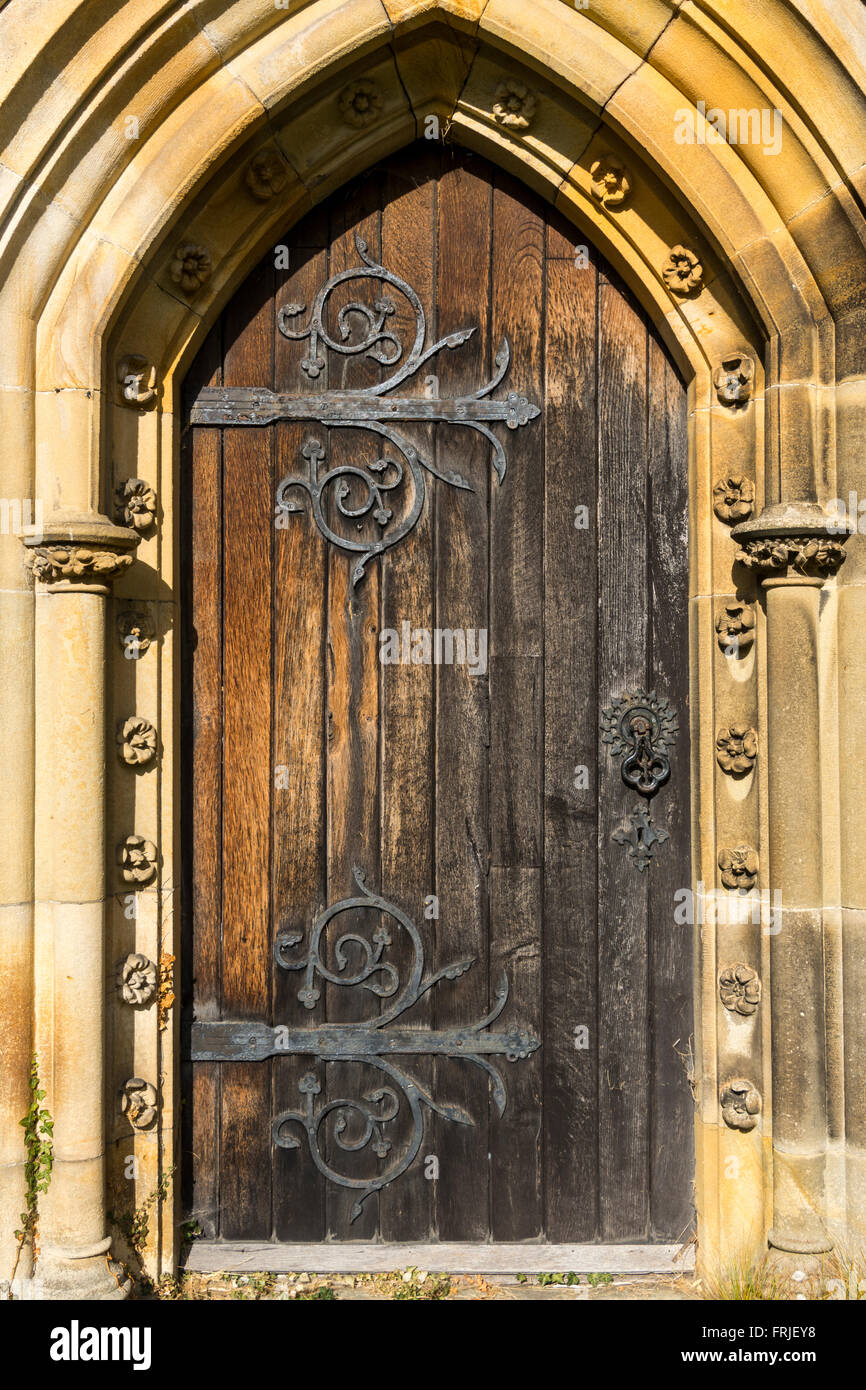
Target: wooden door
[(461, 838)]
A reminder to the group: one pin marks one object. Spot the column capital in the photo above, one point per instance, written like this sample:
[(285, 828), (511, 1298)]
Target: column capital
[(792, 542), (82, 552)]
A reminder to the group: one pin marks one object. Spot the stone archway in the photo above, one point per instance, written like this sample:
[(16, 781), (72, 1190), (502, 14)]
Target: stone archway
[(240, 122)]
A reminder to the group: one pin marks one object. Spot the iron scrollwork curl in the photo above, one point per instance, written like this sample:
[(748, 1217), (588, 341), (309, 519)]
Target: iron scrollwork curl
[(360, 1123), (363, 329)]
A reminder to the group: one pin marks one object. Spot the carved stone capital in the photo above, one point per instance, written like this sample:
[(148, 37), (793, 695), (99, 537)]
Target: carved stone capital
[(793, 541), (79, 551)]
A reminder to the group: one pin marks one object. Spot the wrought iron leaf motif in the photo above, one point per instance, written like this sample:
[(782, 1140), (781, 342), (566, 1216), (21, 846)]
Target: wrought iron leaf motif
[(640, 837), (357, 1124), (367, 489), (641, 729)]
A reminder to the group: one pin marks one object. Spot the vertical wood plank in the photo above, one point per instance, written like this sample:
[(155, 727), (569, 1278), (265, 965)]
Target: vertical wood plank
[(462, 729), (246, 962), (517, 707), (406, 713), (622, 658), (670, 961), (300, 735), (201, 519), (353, 713), (570, 745)]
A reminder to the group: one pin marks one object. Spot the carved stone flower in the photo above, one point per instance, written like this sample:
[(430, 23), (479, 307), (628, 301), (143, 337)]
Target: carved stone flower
[(137, 860), (739, 867), (733, 378), (737, 749), (138, 1102), (740, 989), (735, 626), (266, 175), (136, 741), (138, 979), (514, 104), (190, 267), (136, 504), (137, 380), (741, 1104), (361, 102), (682, 272), (733, 497), (136, 633), (611, 181)]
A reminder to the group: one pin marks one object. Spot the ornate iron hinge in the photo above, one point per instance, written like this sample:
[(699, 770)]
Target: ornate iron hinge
[(373, 1043), (372, 483), (640, 728)]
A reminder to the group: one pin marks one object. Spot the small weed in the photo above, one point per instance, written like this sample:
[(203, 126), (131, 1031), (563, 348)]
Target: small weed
[(594, 1280), (559, 1278), (38, 1129)]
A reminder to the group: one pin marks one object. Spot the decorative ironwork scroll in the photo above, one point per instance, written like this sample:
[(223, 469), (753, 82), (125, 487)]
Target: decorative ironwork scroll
[(359, 961), (641, 728), (367, 489)]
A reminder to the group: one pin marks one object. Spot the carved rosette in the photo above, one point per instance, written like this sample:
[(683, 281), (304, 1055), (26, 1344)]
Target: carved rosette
[(136, 741), (190, 267), (136, 632), (137, 979), (739, 867), (735, 627), (137, 858), (266, 175), (611, 181), (733, 378), (79, 551), (733, 498), (361, 102), (794, 541), (740, 989), (136, 377), (740, 1103), (139, 1102), (514, 105), (682, 272), (736, 749), (135, 504)]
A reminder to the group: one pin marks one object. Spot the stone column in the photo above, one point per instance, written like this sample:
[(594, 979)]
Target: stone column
[(74, 561), (793, 549)]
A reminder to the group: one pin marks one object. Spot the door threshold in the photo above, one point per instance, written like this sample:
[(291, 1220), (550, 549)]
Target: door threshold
[(213, 1257)]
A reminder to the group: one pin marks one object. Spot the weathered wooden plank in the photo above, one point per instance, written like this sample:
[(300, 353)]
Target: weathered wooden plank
[(462, 729), (201, 514), (245, 1186), (210, 1257), (353, 728), (622, 659), (570, 1013), (406, 770), (300, 735), (670, 980)]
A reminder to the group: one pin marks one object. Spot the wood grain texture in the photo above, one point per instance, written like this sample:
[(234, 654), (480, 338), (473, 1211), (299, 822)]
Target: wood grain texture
[(455, 792), (623, 1103), (570, 746)]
